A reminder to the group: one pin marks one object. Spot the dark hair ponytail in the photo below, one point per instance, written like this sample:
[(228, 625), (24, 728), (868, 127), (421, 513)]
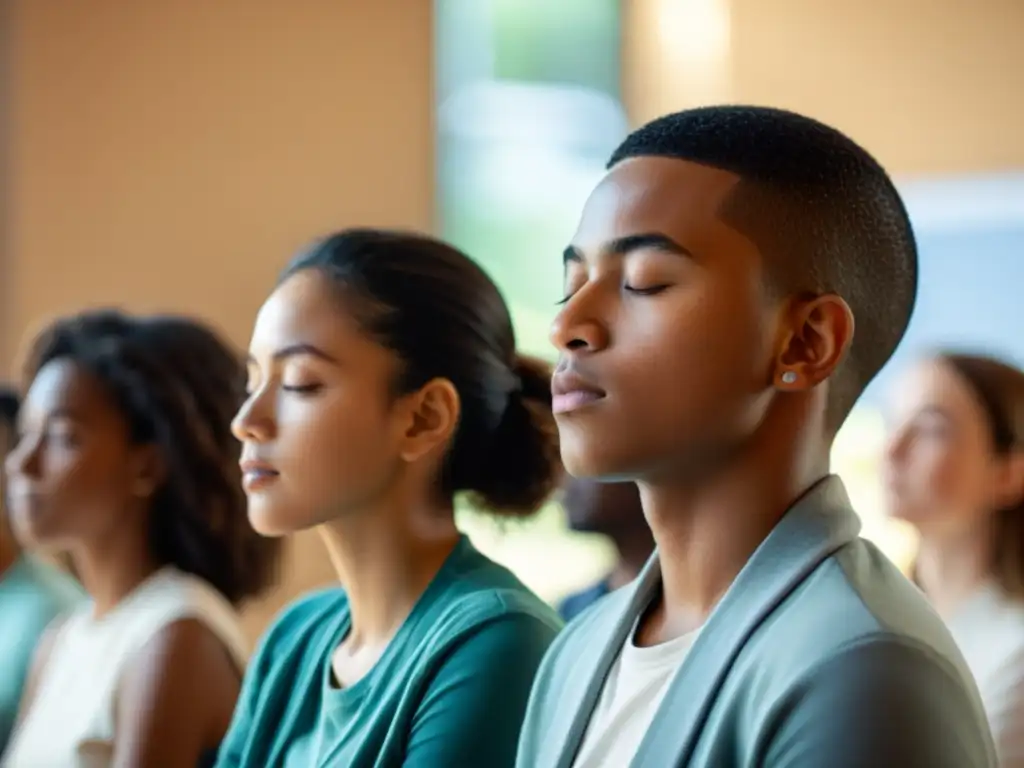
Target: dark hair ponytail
[(443, 317), (514, 475)]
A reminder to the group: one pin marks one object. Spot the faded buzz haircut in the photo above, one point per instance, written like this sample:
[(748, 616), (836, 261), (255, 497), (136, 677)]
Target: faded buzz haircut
[(823, 212)]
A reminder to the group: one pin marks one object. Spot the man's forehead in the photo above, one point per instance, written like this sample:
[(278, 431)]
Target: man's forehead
[(654, 194)]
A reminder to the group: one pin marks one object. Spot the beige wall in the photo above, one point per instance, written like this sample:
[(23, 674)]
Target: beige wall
[(171, 154), (930, 86)]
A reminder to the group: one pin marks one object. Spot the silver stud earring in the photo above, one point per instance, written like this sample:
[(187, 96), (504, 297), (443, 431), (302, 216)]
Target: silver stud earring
[(789, 377)]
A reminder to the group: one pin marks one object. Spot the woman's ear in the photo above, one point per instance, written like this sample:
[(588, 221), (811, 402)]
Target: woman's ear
[(149, 470), (433, 416), (1009, 487)]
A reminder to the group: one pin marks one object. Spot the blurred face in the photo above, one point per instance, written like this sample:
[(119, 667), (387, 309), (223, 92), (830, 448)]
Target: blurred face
[(6, 440), (74, 475), (941, 472), (666, 334), (6, 443), (321, 431)]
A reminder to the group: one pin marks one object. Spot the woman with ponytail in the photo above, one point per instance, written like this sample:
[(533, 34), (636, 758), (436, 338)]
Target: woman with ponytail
[(955, 471), (383, 382)]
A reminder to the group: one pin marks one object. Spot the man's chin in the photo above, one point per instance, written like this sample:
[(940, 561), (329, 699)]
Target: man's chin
[(594, 460)]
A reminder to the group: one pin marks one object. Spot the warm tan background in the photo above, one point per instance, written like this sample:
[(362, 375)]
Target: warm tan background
[(170, 154), (930, 86)]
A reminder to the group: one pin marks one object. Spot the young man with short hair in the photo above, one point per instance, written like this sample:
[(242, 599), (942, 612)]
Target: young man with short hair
[(708, 352)]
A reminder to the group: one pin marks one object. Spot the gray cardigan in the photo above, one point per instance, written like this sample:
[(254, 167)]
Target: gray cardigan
[(821, 654)]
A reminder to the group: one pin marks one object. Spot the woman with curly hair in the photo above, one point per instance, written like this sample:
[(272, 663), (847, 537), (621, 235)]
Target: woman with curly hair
[(384, 381), (127, 464), (32, 592)]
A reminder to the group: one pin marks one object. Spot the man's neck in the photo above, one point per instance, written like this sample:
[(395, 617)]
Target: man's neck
[(705, 534), (634, 550)]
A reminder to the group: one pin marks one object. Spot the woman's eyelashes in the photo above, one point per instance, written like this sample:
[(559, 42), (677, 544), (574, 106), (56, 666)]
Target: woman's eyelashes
[(297, 388), (302, 389)]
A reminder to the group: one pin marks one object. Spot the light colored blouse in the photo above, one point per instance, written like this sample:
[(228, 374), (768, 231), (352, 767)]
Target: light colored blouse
[(72, 718), (989, 628)]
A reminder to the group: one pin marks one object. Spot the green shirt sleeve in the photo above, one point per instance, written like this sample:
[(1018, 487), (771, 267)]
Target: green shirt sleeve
[(473, 710), (881, 702), (231, 752)]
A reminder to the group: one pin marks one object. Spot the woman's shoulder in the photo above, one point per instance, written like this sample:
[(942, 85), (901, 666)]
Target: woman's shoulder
[(481, 592), (171, 596), (302, 622), (310, 610)]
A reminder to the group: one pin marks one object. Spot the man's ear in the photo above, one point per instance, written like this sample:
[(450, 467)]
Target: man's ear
[(819, 331), (433, 416)]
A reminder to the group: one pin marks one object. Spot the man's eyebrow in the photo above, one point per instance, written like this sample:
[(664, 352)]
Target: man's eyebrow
[(623, 246)]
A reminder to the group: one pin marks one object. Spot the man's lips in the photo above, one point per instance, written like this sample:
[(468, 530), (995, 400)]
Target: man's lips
[(572, 401)]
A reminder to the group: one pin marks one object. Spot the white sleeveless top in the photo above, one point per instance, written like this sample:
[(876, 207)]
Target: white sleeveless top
[(989, 628), (71, 720)]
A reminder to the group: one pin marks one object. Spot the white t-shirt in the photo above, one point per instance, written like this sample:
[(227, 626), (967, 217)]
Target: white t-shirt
[(989, 628), (629, 700), (72, 717)]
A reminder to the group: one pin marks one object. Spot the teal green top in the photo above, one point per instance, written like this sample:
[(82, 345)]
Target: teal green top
[(450, 690), (32, 594)]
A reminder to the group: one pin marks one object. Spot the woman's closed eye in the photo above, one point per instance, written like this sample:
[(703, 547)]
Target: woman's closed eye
[(61, 432), (303, 388)]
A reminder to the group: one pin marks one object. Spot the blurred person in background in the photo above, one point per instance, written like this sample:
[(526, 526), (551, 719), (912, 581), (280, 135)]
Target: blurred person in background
[(32, 593), (612, 510), (707, 352), (955, 471), (383, 381), (126, 462)]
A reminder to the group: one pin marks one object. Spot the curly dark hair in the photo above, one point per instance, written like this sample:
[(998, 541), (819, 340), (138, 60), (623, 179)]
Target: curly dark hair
[(177, 385), (443, 317)]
